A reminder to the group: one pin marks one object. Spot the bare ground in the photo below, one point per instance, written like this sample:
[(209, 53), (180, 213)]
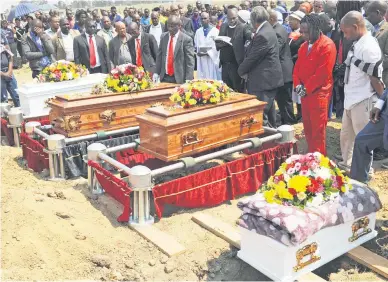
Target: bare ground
[(59, 231)]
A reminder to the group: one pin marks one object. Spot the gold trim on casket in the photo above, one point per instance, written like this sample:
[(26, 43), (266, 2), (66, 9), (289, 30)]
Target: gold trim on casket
[(83, 114)]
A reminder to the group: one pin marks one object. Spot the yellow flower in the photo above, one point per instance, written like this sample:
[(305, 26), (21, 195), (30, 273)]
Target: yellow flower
[(183, 104), (282, 191), (325, 162), (299, 183), (192, 102), (269, 196)]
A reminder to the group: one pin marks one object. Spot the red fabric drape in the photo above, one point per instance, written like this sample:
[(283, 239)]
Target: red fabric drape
[(203, 189), (116, 188), (37, 160), (8, 132), (216, 185), (40, 119)]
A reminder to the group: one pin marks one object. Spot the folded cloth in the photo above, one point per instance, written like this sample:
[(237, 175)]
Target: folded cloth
[(291, 225)]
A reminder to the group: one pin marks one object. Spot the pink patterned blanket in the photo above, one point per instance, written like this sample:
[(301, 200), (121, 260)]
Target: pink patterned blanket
[(291, 225)]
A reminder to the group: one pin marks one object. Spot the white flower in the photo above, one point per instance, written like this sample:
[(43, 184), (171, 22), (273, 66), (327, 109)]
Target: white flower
[(69, 75), (316, 202), (297, 166), (301, 195), (323, 172), (317, 156), (286, 177)]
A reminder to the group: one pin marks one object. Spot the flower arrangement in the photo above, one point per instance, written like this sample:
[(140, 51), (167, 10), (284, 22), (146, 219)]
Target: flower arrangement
[(306, 181), (62, 71), (200, 92), (128, 78)]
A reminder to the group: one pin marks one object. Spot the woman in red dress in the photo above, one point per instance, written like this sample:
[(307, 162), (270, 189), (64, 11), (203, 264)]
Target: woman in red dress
[(313, 81)]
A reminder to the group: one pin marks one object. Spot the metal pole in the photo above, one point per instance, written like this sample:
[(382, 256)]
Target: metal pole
[(16, 136), (61, 165), (56, 165), (51, 166), (95, 136), (121, 147), (215, 154), (115, 163), (140, 181), (41, 133), (268, 129), (93, 155), (46, 127)]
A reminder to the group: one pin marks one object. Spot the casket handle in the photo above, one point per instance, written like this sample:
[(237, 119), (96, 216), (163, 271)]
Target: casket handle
[(190, 138), (362, 223), (108, 116), (248, 121), (308, 250)]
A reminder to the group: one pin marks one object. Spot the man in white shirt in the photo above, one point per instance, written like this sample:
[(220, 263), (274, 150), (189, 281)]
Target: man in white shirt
[(361, 85), (156, 28), (208, 58), (54, 26), (63, 41)]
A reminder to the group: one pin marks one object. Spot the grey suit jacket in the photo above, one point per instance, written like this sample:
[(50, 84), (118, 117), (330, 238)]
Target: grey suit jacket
[(82, 55), (242, 34), (59, 47), (149, 51), (114, 49), (284, 52), (262, 63), (187, 27), (183, 57)]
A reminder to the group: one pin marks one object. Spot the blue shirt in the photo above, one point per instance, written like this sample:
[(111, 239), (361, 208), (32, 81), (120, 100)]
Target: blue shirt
[(145, 21), (115, 19), (8, 33)]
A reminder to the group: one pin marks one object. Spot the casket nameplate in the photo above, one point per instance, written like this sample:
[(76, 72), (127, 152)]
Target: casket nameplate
[(308, 250), (248, 121), (108, 116), (190, 138), (361, 224)]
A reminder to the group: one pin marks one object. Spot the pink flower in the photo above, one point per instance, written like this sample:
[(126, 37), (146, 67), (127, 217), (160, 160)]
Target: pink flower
[(313, 165), (304, 172), (297, 166), (291, 171)]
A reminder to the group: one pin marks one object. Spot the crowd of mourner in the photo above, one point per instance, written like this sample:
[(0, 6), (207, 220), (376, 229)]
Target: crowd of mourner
[(324, 56)]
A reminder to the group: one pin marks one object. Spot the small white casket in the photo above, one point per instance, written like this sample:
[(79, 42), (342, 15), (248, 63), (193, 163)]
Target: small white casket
[(283, 263), (288, 261), (33, 96)]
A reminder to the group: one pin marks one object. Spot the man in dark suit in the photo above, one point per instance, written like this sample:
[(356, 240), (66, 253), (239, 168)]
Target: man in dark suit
[(91, 50), (187, 24), (143, 48), (175, 59), (232, 56), (284, 94), (261, 66)]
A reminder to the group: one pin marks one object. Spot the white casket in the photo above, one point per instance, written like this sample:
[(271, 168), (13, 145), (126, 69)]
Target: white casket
[(287, 263), (33, 96)]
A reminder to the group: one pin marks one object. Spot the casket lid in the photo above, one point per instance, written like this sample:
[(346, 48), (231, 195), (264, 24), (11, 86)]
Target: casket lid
[(88, 96), (168, 112)]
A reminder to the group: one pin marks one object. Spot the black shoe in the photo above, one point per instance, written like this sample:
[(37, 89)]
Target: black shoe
[(380, 155)]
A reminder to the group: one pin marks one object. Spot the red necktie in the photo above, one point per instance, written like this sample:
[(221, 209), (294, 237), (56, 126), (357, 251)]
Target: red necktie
[(170, 57), (93, 60), (139, 61)]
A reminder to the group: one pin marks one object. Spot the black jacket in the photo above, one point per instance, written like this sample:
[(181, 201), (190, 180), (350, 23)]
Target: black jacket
[(82, 55), (284, 52), (242, 34), (262, 63), (149, 51)]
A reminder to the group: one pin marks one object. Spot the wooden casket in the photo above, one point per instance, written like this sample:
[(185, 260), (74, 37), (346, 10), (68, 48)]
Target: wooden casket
[(170, 133), (33, 96), (78, 115)]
